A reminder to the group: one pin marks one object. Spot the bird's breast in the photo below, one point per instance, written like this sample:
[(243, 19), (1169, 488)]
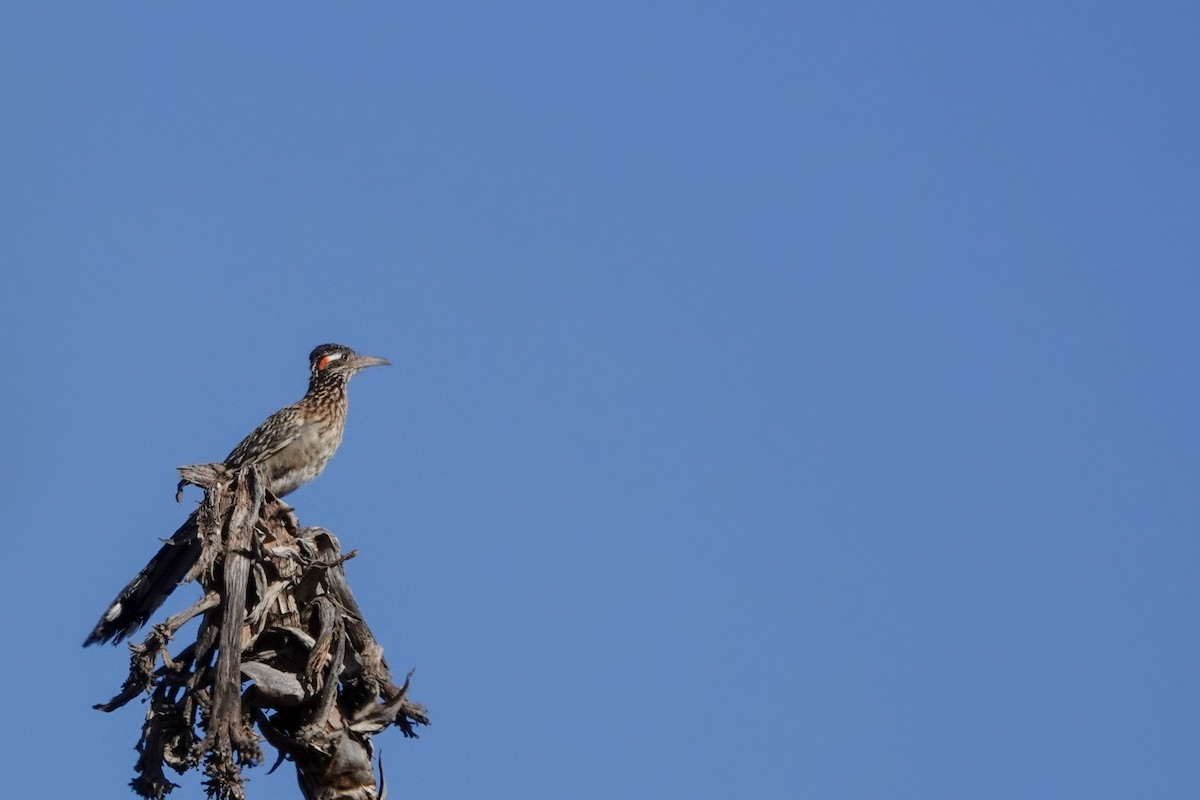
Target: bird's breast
[(305, 457)]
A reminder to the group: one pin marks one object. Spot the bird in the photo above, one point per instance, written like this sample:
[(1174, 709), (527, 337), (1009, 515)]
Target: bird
[(290, 447)]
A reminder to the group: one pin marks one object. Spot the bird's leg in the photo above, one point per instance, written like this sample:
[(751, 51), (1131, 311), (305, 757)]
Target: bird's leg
[(283, 507)]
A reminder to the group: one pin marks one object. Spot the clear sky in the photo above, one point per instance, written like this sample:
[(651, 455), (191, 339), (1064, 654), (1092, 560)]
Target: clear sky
[(790, 399)]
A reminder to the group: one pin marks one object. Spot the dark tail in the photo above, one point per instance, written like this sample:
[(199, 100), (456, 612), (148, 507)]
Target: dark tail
[(146, 592)]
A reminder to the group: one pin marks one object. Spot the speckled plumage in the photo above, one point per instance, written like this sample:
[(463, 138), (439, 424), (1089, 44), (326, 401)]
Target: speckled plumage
[(292, 446)]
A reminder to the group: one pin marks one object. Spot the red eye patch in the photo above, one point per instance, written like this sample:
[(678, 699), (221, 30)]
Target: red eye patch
[(324, 362)]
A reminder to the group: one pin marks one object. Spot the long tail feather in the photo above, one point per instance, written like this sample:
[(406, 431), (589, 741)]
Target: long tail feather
[(145, 593)]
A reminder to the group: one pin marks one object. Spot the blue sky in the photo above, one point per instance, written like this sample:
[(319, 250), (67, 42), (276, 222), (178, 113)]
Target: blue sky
[(789, 400)]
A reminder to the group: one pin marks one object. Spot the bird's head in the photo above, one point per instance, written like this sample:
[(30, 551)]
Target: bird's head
[(335, 361)]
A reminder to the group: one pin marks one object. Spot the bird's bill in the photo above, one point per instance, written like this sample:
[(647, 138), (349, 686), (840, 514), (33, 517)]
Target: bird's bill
[(362, 362)]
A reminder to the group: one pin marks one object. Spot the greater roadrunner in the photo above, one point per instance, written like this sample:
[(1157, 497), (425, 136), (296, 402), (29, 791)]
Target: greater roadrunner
[(291, 447)]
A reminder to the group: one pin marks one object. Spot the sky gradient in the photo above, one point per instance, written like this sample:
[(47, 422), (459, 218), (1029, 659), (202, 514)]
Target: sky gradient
[(788, 400)]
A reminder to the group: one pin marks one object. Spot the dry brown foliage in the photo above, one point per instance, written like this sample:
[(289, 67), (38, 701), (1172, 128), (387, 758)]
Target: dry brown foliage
[(282, 647)]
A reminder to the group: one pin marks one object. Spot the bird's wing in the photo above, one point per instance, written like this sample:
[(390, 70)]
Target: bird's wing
[(277, 432)]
